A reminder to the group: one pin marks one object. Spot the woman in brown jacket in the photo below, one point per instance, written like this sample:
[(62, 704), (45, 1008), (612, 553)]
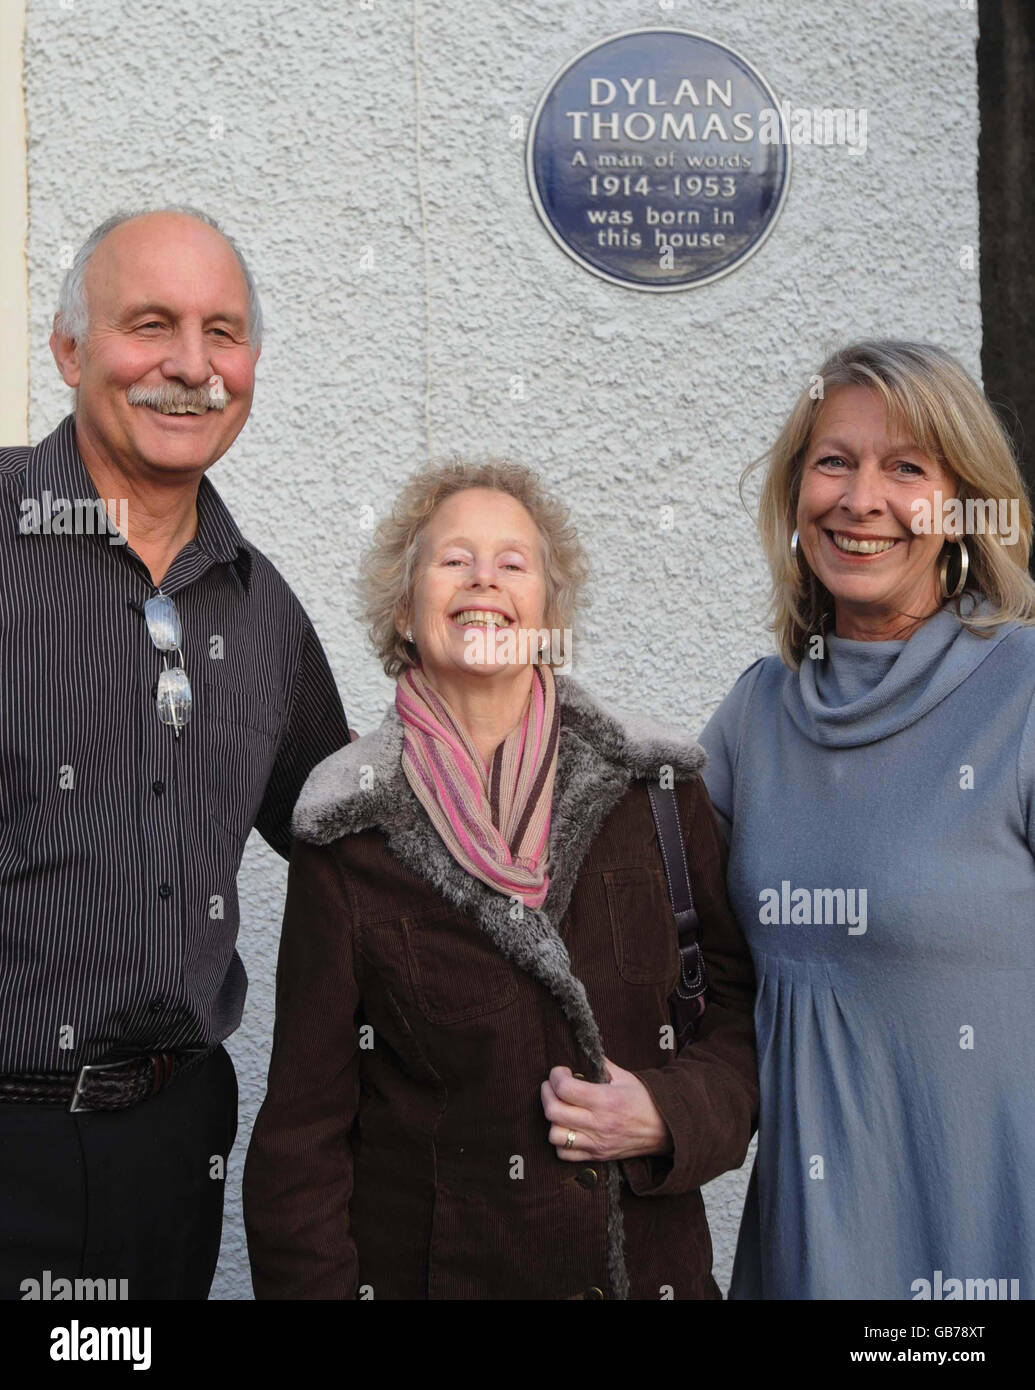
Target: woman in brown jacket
[(473, 1091)]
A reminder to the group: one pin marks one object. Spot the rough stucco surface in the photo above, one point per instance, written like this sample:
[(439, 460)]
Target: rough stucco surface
[(294, 122)]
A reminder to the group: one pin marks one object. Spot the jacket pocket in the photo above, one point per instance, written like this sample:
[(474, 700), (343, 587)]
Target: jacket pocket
[(643, 928), (456, 973)]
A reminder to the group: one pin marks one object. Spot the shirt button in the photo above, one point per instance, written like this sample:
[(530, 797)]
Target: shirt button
[(164, 890), (594, 1294), (158, 788), (156, 1005), (587, 1178)]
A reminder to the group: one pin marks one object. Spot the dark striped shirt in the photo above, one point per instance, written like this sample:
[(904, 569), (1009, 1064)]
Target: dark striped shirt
[(119, 843)]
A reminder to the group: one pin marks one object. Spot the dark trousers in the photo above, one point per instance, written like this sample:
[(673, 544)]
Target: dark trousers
[(131, 1194)]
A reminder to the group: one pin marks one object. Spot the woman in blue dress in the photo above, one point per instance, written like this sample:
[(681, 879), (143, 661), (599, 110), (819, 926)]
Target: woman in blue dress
[(877, 780)]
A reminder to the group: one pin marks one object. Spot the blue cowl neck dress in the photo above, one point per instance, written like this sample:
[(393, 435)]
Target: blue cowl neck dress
[(896, 1030)]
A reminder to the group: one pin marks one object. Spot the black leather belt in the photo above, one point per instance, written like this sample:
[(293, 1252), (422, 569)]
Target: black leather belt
[(113, 1084)]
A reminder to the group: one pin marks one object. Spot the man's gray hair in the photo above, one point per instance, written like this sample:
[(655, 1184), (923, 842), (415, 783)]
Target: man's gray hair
[(73, 316)]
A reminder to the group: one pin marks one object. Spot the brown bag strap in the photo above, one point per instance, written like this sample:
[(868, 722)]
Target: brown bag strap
[(688, 1001), (670, 837)]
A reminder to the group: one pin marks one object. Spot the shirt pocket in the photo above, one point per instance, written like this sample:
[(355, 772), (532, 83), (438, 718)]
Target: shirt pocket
[(455, 971), (242, 734), (643, 927)]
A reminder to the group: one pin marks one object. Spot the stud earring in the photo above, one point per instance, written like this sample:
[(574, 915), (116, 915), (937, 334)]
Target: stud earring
[(409, 634)]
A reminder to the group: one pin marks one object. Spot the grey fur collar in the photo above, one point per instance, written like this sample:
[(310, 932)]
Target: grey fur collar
[(363, 786)]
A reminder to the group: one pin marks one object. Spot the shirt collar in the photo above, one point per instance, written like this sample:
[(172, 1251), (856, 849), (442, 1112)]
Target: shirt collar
[(218, 534), (54, 471)]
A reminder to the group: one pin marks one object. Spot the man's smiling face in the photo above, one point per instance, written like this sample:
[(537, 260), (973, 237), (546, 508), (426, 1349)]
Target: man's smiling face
[(168, 311)]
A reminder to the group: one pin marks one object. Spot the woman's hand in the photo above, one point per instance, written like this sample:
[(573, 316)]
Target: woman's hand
[(610, 1121)]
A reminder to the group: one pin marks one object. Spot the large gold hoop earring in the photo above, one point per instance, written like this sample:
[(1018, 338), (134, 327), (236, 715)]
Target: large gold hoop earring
[(943, 570)]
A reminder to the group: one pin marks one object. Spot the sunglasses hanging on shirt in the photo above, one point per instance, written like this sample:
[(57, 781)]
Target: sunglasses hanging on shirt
[(174, 694)]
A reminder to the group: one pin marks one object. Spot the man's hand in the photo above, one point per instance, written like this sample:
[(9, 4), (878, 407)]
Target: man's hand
[(619, 1120)]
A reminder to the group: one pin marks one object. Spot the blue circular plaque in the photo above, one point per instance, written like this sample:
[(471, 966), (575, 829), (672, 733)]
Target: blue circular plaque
[(659, 159)]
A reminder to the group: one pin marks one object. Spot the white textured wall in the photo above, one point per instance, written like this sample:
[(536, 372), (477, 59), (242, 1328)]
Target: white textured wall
[(631, 401)]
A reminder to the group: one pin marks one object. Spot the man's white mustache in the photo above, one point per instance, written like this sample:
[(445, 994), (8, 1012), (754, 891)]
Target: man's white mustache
[(174, 399)]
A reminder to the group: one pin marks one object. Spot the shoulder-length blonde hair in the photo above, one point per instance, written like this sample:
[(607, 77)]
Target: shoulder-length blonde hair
[(388, 570), (927, 393)]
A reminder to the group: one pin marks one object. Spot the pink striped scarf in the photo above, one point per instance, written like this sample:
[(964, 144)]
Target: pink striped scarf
[(496, 821)]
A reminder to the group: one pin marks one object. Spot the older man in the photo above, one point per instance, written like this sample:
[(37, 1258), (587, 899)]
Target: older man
[(161, 692)]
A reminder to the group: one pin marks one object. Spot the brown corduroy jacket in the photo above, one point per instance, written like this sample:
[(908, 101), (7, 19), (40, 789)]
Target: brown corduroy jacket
[(402, 1150)]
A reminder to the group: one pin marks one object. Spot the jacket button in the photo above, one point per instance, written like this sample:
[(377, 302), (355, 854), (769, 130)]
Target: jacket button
[(594, 1294), (587, 1177)]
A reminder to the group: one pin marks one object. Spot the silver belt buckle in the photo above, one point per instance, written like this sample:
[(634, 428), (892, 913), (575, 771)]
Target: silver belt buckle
[(75, 1108)]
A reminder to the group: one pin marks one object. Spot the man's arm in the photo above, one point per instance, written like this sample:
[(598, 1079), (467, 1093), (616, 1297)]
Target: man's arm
[(316, 728)]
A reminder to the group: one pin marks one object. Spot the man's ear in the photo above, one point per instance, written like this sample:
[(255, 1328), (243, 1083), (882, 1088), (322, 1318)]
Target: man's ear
[(66, 355)]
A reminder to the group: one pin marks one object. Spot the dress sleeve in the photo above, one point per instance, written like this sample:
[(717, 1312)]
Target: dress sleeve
[(720, 740), (1026, 774), (298, 1172), (708, 1094)]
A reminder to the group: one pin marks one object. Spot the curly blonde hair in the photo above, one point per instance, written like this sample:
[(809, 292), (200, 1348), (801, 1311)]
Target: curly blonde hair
[(946, 412), (388, 569)]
